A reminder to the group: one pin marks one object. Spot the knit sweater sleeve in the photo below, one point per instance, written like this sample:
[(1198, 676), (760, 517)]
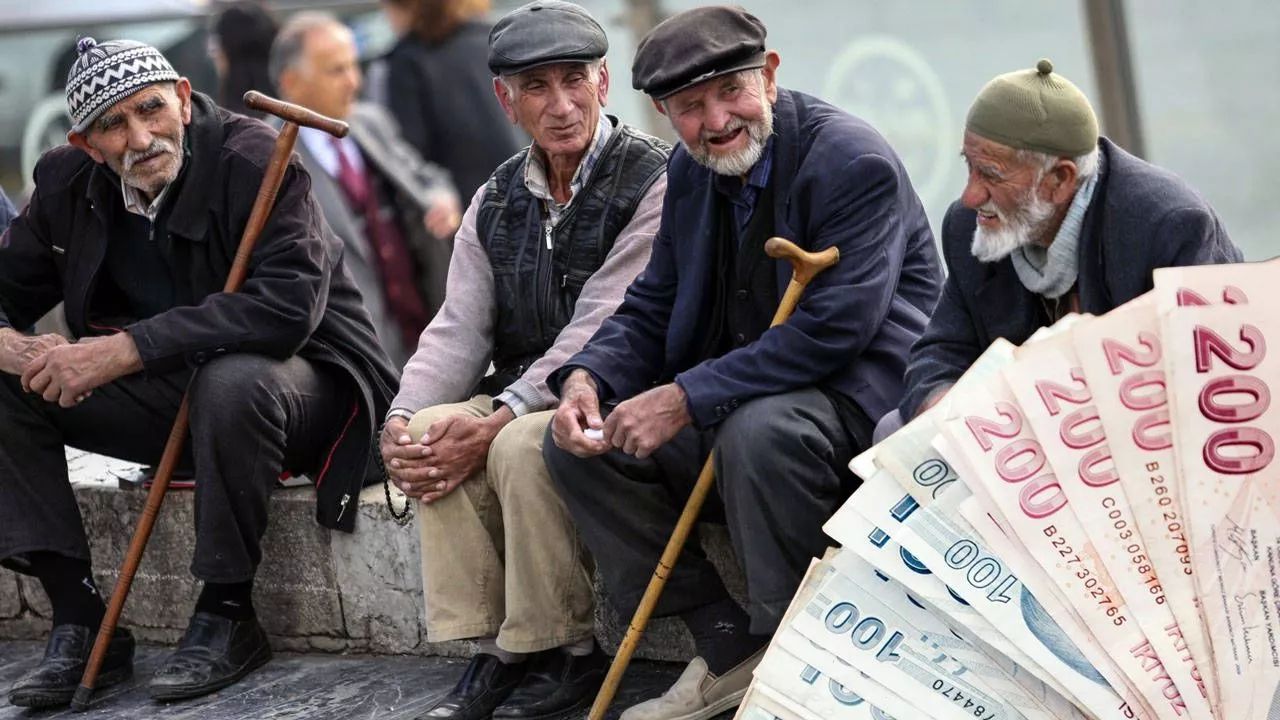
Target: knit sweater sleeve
[(454, 350), (600, 297)]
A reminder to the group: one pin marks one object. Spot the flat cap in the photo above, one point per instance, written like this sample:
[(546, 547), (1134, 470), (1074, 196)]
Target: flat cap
[(696, 45), (1035, 109), (544, 32)]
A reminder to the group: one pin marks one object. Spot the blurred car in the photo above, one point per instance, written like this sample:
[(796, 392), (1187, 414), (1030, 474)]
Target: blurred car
[(37, 46)]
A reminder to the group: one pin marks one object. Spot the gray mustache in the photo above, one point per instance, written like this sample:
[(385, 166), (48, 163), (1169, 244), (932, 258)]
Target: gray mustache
[(158, 146)]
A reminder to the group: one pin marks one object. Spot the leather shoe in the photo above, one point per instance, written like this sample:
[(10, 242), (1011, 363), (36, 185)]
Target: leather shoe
[(485, 684), (54, 681), (214, 652), (558, 683)]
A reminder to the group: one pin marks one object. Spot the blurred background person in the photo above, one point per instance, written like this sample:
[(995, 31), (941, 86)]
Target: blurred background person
[(395, 213), (437, 84), (240, 39)]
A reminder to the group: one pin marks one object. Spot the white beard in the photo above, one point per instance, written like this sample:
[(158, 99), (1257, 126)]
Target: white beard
[(1018, 228), (740, 162)]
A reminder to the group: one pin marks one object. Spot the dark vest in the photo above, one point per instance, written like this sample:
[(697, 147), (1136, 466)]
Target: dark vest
[(744, 299), (539, 271)]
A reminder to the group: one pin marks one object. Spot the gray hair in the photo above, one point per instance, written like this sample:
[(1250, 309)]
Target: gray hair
[(287, 48), (1086, 165), (593, 69)]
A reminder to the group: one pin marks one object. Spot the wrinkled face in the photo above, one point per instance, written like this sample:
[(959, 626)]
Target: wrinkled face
[(140, 137), (1006, 193), (725, 122), (326, 77), (559, 105)]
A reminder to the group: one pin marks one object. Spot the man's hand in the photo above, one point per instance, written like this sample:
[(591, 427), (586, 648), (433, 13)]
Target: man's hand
[(647, 421), (934, 398), (457, 447), (67, 373), (579, 409), (451, 450), (444, 215), (18, 350), (404, 459)]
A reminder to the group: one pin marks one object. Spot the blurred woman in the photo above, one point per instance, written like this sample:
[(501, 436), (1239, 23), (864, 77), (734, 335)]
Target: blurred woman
[(239, 43), (438, 86)]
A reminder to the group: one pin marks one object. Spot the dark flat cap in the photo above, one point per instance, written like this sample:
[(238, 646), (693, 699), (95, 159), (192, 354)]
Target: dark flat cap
[(697, 45), (544, 32)]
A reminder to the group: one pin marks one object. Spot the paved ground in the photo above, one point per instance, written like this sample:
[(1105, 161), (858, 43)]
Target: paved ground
[(313, 686)]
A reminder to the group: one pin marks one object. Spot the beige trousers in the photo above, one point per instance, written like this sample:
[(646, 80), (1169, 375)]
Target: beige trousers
[(500, 556)]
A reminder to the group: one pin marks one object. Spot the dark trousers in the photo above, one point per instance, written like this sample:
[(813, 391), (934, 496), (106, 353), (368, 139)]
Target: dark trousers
[(251, 417), (780, 474)]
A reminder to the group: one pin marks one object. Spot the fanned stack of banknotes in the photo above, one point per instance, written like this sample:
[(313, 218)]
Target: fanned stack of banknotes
[(1085, 526)]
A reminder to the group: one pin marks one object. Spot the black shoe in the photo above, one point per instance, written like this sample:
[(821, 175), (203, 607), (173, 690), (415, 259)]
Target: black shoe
[(486, 683), (54, 681), (214, 652), (558, 684)]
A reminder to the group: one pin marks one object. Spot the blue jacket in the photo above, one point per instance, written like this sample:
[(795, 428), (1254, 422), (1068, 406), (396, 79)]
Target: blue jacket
[(1141, 218), (836, 182)]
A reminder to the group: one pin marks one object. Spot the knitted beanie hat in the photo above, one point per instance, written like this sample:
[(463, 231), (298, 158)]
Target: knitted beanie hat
[(1035, 110), (106, 73)]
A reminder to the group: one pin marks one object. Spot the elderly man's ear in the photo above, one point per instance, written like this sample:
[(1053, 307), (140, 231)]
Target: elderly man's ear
[(1063, 177)]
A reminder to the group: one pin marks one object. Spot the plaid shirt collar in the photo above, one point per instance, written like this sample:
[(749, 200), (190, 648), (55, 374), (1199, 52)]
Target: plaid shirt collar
[(535, 170)]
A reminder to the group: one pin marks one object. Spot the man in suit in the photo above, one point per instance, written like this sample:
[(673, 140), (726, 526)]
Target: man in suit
[(394, 211), (693, 365), (1053, 219)]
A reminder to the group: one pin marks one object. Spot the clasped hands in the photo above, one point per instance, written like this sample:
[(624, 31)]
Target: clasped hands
[(638, 426), (66, 372), (450, 451)]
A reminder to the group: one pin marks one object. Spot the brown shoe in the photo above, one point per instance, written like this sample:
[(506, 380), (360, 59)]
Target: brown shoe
[(697, 694)]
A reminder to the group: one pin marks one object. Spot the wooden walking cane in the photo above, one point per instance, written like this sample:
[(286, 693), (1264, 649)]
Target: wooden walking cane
[(294, 116), (805, 266)]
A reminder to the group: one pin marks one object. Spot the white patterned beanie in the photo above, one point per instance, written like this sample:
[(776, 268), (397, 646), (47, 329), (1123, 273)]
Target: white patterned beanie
[(106, 73)]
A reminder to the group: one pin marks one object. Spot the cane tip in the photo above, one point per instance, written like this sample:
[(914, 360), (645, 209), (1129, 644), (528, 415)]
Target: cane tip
[(80, 702)]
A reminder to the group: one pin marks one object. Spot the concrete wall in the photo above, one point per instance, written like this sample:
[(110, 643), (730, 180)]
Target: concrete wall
[(315, 591)]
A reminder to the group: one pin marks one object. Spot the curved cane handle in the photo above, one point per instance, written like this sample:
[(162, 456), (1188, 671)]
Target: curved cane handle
[(804, 265), (295, 114)]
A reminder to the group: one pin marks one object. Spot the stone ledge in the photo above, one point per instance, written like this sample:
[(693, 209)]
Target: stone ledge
[(316, 590)]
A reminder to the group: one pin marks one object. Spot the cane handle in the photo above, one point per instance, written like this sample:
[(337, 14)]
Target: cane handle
[(296, 114), (804, 265)]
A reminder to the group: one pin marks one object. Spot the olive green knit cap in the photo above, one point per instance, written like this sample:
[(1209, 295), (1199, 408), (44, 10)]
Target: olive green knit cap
[(1035, 110)]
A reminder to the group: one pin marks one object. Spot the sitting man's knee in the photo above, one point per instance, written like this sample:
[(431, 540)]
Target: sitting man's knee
[(233, 382)]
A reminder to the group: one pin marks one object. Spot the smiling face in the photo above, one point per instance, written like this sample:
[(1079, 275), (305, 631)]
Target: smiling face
[(140, 137), (559, 105), (725, 122), (1019, 201)]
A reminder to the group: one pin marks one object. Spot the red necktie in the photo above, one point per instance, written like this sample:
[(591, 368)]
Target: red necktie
[(354, 183)]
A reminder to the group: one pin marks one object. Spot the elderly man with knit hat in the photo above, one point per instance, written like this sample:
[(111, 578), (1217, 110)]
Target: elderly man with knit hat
[(1054, 219), (544, 254), (133, 226), (692, 365)]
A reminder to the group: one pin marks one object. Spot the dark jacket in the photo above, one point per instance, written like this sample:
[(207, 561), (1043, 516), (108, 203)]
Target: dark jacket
[(442, 97), (298, 298), (1141, 218), (836, 183)]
